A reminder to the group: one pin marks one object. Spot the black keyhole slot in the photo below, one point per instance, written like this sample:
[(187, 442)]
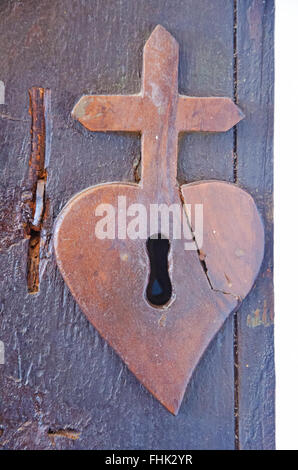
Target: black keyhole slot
[(159, 289)]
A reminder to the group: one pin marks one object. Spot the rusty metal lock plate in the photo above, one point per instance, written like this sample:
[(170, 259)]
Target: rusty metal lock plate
[(161, 343)]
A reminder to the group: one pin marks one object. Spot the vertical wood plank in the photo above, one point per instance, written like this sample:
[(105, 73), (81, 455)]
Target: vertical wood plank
[(59, 374), (255, 43)]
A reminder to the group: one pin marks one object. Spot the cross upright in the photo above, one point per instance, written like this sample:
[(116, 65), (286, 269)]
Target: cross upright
[(159, 112)]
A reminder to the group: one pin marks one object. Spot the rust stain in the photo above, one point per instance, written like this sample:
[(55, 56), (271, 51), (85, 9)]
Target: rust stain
[(39, 99), (67, 433), (34, 35), (260, 317), (254, 19)]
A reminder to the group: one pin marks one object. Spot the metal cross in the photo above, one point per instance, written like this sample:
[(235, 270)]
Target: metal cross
[(159, 112)]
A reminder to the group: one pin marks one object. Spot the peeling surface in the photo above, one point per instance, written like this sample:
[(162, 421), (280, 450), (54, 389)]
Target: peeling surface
[(67, 433), (39, 110)]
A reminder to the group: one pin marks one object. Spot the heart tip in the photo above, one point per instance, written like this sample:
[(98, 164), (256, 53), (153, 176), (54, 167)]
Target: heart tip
[(173, 407)]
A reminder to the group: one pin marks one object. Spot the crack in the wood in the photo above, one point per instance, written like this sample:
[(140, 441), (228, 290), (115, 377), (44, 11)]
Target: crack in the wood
[(39, 104)]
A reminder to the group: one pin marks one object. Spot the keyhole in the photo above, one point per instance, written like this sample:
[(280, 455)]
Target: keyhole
[(159, 289)]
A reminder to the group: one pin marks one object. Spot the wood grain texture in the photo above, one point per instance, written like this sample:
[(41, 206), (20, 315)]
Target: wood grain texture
[(255, 42), (47, 392)]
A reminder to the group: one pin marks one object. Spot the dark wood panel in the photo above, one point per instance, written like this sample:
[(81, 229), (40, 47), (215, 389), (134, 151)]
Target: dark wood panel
[(59, 374), (255, 43)]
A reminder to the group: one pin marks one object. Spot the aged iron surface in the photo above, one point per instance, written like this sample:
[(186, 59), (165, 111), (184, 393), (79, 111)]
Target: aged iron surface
[(108, 278)]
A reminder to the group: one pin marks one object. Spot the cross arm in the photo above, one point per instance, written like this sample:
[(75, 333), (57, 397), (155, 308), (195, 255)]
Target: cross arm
[(110, 112), (207, 114)]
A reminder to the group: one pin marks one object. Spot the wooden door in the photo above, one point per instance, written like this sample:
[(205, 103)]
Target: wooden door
[(62, 386)]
